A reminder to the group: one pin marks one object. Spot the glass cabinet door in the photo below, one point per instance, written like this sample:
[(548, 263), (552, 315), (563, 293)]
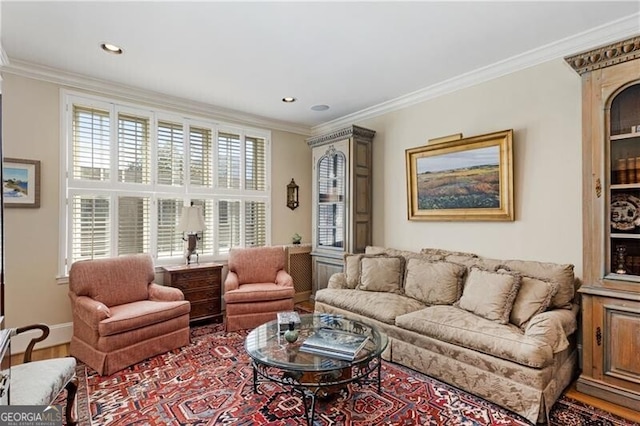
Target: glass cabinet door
[(331, 200), (624, 179)]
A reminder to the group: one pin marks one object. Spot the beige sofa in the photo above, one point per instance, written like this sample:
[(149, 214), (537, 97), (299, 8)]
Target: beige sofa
[(503, 330)]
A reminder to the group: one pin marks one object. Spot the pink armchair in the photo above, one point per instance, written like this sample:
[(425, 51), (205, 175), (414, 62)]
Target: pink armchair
[(257, 287), (120, 316)]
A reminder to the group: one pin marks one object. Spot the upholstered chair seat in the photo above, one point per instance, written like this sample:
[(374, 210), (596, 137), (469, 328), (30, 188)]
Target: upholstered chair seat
[(120, 316), (40, 382), (257, 287)]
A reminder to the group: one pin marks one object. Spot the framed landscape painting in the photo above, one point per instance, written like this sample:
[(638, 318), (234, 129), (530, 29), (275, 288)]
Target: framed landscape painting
[(464, 179), (21, 182)]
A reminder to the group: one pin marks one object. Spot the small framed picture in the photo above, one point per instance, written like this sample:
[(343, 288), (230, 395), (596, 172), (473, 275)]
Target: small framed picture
[(21, 182)]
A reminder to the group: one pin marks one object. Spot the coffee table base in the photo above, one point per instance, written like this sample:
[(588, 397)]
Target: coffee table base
[(313, 385)]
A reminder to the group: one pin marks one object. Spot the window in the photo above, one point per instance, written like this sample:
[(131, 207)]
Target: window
[(131, 170)]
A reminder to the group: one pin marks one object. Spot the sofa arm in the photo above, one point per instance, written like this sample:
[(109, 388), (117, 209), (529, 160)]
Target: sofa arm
[(88, 310), (164, 293), (553, 327), (284, 279), (231, 282), (338, 281)]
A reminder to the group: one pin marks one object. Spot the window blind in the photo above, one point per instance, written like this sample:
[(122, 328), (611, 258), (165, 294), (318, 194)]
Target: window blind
[(169, 240), (200, 156), (228, 161), (133, 225), (91, 141), (255, 164), (170, 154), (91, 227), (228, 225), (133, 149), (254, 223)]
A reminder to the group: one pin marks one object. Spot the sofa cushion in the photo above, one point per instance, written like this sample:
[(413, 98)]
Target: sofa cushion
[(490, 294), (352, 269), (256, 264), (433, 283), (383, 307), (375, 250), (533, 298), (381, 273), (459, 327), (560, 273)]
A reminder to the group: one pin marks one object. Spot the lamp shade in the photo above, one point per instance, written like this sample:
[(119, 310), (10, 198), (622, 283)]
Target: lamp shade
[(191, 220)]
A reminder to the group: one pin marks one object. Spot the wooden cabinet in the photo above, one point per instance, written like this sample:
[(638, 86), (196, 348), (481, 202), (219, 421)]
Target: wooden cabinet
[(341, 199), (202, 287), (611, 222)]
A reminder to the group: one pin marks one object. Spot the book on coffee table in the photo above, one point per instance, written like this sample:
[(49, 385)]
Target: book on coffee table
[(334, 343)]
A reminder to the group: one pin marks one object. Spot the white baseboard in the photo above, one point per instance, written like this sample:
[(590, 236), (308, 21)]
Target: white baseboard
[(59, 335)]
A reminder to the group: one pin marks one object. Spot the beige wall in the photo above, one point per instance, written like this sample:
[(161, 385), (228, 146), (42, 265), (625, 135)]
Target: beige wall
[(543, 106), (31, 129)]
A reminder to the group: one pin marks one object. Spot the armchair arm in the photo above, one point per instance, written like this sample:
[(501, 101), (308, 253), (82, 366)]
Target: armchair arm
[(88, 310), (231, 282), (45, 333), (284, 279), (553, 327), (338, 281), (164, 293)]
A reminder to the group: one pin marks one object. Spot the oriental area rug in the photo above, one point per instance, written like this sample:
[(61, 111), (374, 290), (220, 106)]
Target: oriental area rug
[(210, 382)]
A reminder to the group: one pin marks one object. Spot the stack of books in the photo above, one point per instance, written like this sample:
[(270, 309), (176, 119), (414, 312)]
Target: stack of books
[(334, 343)]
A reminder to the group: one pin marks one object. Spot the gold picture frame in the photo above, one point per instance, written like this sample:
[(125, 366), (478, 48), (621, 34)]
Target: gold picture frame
[(462, 180), (21, 182)]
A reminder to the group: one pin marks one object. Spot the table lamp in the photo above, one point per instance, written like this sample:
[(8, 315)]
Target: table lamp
[(191, 222)]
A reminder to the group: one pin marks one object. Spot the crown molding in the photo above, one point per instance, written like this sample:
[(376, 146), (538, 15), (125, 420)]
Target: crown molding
[(605, 56), (134, 94), (613, 31)]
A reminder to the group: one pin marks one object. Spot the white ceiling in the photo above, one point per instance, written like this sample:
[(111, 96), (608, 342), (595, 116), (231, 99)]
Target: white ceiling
[(352, 56)]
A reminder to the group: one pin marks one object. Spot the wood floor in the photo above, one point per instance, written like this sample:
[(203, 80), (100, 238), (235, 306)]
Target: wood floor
[(63, 350)]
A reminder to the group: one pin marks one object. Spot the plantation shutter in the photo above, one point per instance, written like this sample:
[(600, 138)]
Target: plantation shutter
[(254, 223), (228, 161), (200, 153), (91, 227), (91, 155), (255, 164), (134, 161), (229, 222), (170, 241), (205, 245), (170, 153), (133, 225)]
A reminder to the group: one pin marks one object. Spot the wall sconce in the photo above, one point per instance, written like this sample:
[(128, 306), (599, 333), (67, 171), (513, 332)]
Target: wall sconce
[(191, 222), (292, 195)]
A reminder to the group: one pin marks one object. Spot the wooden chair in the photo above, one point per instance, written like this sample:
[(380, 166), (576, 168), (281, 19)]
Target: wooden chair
[(40, 382)]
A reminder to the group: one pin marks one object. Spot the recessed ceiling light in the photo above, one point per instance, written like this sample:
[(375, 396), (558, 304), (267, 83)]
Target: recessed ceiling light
[(111, 48), (288, 99), (320, 107)]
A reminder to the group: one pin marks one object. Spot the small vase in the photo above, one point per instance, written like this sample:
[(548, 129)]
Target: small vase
[(291, 335)]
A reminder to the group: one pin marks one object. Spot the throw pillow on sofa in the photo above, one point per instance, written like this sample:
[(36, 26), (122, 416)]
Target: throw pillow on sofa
[(433, 283), (533, 298), (490, 294), (381, 273)]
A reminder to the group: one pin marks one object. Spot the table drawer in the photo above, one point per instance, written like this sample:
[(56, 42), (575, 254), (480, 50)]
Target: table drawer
[(203, 293), (205, 308), (195, 279)]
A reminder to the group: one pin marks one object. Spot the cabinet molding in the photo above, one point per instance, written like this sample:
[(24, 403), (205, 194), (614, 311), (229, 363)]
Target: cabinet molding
[(605, 56)]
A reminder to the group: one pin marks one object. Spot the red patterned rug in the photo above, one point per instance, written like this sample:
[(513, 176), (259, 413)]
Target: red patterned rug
[(210, 382)]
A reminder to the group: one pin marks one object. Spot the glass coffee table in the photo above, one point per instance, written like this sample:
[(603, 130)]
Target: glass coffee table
[(309, 374)]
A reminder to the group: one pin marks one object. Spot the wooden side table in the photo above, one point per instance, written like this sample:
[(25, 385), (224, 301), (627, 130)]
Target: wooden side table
[(202, 287)]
